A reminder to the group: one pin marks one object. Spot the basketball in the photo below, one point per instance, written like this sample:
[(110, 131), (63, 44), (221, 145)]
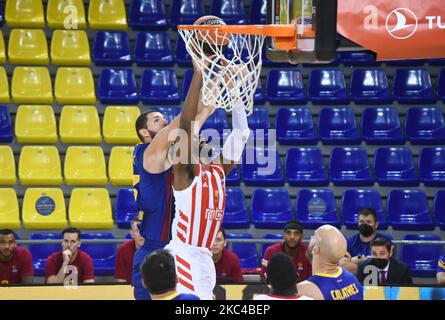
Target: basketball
[(211, 37)]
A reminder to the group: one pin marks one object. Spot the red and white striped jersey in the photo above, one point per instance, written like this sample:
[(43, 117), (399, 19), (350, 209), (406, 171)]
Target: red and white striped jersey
[(200, 208)]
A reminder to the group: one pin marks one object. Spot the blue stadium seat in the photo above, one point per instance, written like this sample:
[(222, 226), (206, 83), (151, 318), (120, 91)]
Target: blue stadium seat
[(235, 215), (258, 12), (358, 58), (270, 208), (169, 112), (159, 87), (270, 236), (259, 98), (186, 81), (258, 170), (285, 87), (259, 120), (233, 178), (231, 11), (350, 167), (316, 208), (408, 210), (328, 87), (147, 15), (128, 236), (111, 48), (353, 201), (246, 252), (305, 168), (382, 126), (218, 122), (295, 126), (395, 167), (183, 59), (5, 125), (438, 209), (41, 252), (103, 255), (422, 259), (118, 86), (229, 51), (338, 126), (432, 167), (406, 63), (413, 86), (125, 208), (437, 62), (153, 49), (441, 85), (370, 86), (186, 11), (2, 14), (425, 126)]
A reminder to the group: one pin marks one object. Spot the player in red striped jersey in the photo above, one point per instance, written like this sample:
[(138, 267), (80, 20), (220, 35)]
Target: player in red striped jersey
[(199, 190)]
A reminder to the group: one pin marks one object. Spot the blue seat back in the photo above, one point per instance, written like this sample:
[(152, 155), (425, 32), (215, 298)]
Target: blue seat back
[(370, 86), (381, 125), (5, 125), (413, 86), (425, 125), (153, 49), (259, 119), (111, 48), (262, 166), (394, 164), (349, 164), (270, 208), (295, 125), (186, 11), (183, 58), (338, 125), (432, 166), (147, 15), (305, 165), (246, 252), (439, 208), (258, 11), (285, 87), (316, 207), (169, 112), (125, 207), (357, 58), (118, 86), (99, 252), (353, 201), (441, 84), (235, 203), (408, 206), (159, 86), (231, 11), (328, 87)]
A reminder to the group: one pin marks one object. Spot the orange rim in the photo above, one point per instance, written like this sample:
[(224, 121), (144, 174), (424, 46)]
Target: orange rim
[(285, 35)]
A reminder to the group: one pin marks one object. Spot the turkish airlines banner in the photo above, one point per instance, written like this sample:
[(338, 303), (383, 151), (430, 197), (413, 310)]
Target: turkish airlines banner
[(395, 29)]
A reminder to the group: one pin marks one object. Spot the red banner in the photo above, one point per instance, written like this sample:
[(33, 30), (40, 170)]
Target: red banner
[(395, 29)]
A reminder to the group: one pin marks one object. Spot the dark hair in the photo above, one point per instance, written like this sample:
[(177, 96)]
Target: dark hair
[(159, 272), (223, 233), (135, 219), (141, 122), (369, 211), (7, 232), (71, 230), (282, 274), (381, 242)]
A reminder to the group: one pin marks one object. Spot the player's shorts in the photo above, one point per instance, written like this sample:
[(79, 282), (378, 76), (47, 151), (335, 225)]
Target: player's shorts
[(195, 269), (141, 293)]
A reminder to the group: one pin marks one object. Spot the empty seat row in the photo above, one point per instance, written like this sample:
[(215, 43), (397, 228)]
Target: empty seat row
[(62, 14), (40, 165), (77, 124), (44, 208), (368, 86), (380, 125)]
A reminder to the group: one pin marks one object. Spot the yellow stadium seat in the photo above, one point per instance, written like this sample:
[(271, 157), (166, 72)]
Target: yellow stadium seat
[(118, 125), (120, 166), (71, 18), (107, 15), (4, 86), (28, 46), (90, 208), (79, 124), (7, 166), (74, 86), (70, 48), (24, 14), (40, 165), (31, 85), (44, 208), (9, 209), (35, 124), (85, 166), (2, 49)]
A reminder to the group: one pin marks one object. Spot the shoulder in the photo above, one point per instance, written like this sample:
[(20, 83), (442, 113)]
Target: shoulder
[(310, 289), (23, 252), (230, 254), (54, 256), (353, 239), (84, 257), (398, 264), (126, 246)]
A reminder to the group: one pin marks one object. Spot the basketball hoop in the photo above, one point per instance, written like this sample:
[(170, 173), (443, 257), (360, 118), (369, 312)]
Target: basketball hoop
[(232, 82)]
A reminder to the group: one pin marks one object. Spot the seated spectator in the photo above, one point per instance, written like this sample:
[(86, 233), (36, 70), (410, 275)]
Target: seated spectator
[(281, 275), (359, 245), (58, 265), (159, 277), (293, 247), (227, 263), (15, 261), (125, 253), (441, 270), (390, 270)]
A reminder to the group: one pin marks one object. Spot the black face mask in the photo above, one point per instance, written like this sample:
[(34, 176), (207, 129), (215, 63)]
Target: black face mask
[(365, 229), (379, 263)]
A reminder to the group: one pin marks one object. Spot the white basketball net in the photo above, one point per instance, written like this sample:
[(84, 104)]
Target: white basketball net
[(226, 82)]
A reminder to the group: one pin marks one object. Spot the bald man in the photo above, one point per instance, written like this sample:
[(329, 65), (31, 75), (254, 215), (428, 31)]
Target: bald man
[(329, 281)]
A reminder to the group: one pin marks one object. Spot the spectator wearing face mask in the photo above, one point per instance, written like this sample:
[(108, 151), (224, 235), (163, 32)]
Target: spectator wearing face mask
[(390, 270), (359, 245)]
